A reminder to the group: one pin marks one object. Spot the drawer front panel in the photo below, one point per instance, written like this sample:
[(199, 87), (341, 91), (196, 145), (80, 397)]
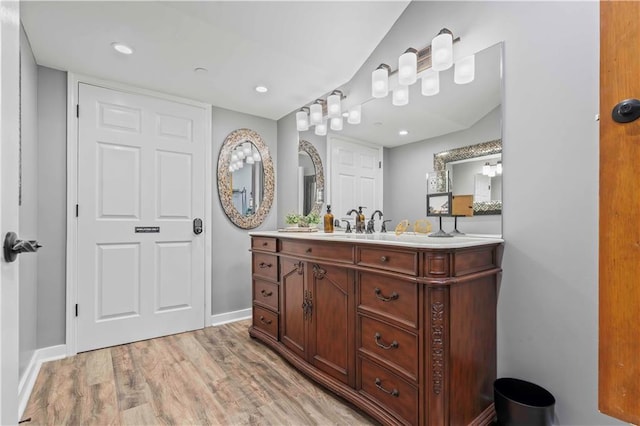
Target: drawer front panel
[(390, 391), (470, 261), (265, 266), (264, 243), (342, 253), (390, 345), (266, 293), (436, 265), (266, 321), (389, 297), (389, 260)]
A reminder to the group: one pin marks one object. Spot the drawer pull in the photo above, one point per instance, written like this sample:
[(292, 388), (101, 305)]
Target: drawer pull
[(383, 259), (308, 250), (264, 244), (393, 345), (262, 320), (264, 265), (379, 295), (393, 393), (266, 293)]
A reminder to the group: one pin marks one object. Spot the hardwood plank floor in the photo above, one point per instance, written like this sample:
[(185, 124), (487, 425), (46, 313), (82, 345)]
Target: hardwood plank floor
[(214, 376)]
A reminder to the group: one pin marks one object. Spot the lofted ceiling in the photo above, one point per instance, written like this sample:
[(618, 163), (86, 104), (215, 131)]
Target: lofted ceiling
[(298, 49)]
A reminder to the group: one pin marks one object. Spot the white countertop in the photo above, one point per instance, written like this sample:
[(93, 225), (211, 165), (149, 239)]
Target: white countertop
[(408, 239)]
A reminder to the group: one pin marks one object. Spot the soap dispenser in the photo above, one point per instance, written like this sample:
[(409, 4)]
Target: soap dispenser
[(361, 218), (328, 220)]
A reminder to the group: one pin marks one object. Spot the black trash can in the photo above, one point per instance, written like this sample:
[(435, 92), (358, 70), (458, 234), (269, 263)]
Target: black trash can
[(521, 403)]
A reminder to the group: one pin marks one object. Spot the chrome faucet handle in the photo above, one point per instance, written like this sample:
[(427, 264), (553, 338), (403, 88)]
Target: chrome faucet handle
[(348, 229), (370, 228), (384, 225)]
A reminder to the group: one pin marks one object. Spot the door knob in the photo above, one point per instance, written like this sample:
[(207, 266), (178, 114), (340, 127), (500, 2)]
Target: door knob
[(13, 246), (626, 111)]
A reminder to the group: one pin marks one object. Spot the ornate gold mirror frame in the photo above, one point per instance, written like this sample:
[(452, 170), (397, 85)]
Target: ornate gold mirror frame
[(225, 190), (305, 146)]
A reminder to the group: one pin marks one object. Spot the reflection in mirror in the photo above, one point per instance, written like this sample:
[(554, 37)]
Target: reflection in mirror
[(310, 179), (245, 178)]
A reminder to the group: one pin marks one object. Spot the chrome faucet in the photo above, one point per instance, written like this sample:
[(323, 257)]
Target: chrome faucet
[(384, 225), (370, 225), (359, 221)]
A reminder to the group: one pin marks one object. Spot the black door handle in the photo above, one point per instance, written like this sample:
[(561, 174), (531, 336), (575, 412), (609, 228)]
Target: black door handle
[(13, 246), (626, 111), (197, 226)]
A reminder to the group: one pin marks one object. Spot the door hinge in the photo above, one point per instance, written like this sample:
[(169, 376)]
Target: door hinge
[(78, 110), (379, 164), (76, 309), (77, 209)]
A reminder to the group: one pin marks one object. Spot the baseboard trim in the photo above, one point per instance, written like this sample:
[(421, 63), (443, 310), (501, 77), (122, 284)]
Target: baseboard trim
[(232, 316), (30, 375)]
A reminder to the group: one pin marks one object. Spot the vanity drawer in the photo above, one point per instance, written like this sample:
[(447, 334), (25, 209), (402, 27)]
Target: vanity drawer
[(266, 294), (436, 265), (266, 321), (264, 243), (391, 298), (390, 345), (394, 394), (390, 260), (265, 266), (336, 252)]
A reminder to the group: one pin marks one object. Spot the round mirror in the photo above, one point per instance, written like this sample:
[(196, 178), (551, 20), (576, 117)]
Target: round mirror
[(245, 178), (311, 178)]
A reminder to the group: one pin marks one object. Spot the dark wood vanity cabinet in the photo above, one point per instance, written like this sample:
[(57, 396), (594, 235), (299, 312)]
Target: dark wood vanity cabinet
[(406, 334)]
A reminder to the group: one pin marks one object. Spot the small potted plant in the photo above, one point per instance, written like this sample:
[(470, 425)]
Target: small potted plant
[(292, 219), (313, 219)]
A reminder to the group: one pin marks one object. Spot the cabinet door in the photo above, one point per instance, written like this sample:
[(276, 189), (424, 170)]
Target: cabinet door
[(292, 293), (332, 323)]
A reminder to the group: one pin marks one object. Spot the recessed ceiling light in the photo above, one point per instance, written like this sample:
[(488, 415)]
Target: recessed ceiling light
[(261, 89), (403, 132), (122, 48), (200, 70)]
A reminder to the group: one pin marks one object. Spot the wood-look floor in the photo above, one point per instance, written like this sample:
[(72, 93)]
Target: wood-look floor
[(216, 376)]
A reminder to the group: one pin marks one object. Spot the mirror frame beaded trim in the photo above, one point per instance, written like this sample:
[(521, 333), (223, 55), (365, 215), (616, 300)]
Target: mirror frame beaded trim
[(306, 146), (225, 192)]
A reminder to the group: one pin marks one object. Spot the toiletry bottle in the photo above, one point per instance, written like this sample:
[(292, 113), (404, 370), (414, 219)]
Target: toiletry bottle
[(328, 220), (361, 218)]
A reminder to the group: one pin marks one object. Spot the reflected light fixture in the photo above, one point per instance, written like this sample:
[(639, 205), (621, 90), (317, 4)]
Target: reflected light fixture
[(256, 156), (380, 81), (302, 119), (408, 67), (401, 95), (355, 115), (321, 129), (336, 123), (315, 112), (442, 50), (234, 157), (499, 168), (464, 71), (250, 160), (430, 82), (334, 107), (486, 169), (247, 150)]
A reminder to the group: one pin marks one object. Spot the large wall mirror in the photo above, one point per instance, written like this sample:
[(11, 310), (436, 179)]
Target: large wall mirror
[(246, 178), (310, 179)]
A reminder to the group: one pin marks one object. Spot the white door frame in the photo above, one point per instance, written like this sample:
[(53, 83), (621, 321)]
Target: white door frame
[(329, 161), (73, 80), (9, 137)]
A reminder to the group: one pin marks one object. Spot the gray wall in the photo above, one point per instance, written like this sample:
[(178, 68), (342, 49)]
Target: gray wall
[(52, 205), (231, 264), (29, 208), (410, 163), (548, 300), (287, 173)]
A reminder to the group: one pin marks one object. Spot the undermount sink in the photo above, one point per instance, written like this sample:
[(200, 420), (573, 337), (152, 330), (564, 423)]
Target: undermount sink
[(405, 237)]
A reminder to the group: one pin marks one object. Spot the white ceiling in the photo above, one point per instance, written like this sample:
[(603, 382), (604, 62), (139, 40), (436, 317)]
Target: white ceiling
[(298, 49)]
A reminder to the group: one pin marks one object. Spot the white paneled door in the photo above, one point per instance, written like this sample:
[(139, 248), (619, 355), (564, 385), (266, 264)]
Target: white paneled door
[(356, 177), (141, 182)]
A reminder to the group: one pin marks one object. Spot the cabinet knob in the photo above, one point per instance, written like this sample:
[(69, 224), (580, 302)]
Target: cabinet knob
[(265, 244), (265, 321), (383, 258), (308, 250)]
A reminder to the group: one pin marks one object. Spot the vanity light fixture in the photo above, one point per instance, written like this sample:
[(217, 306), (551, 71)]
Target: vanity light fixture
[(122, 48), (442, 50), (380, 81), (315, 112), (430, 82), (302, 119), (334, 104), (408, 67), (355, 115), (464, 71), (401, 95), (321, 129), (336, 123)]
